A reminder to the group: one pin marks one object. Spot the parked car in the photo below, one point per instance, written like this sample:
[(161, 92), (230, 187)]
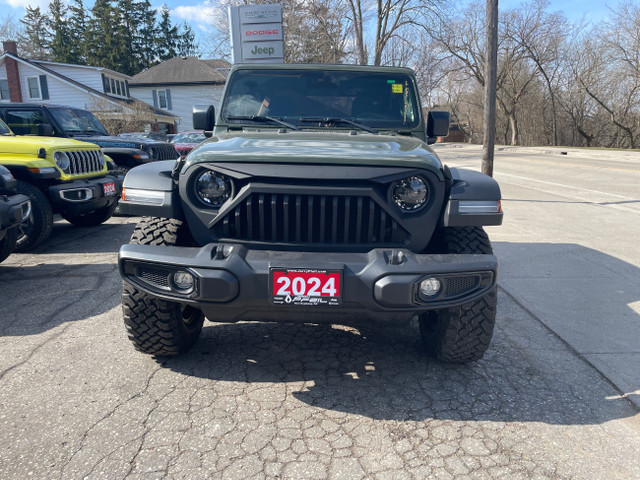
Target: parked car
[(61, 121), (316, 199), (184, 142), (14, 209), (58, 175)]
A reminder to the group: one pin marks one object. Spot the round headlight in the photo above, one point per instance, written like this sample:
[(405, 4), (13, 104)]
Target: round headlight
[(62, 161), (213, 188), (410, 193), (153, 153), (101, 159)]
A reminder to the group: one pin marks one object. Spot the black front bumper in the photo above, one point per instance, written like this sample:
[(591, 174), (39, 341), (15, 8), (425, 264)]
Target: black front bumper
[(14, 209), (232, 282), (85, 195)]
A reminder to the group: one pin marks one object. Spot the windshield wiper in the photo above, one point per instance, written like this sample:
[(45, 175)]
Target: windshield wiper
[(263, 118), (334, 120)]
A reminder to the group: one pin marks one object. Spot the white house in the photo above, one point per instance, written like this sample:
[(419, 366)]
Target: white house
[(91, 88), (176, 85)]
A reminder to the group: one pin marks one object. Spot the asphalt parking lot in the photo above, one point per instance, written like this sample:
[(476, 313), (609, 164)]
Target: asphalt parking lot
[(556, 396)]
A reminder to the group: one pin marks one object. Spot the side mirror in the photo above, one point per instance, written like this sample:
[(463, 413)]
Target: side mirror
[(437, 125), (45, 130), (204, 118)]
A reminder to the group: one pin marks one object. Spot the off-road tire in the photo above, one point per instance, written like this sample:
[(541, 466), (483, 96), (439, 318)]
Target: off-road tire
[(37, 228), (461, 334), (158, 327), (8, 243), (91, 219)]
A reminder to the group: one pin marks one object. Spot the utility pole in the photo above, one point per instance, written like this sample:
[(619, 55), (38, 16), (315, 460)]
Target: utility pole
[(490, 79)]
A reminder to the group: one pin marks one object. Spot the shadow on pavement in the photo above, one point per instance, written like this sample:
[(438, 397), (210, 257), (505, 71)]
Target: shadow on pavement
[(105, 238), (37, 298)]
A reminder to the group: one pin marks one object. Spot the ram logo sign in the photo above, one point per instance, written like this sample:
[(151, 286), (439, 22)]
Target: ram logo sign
[(256, 33)]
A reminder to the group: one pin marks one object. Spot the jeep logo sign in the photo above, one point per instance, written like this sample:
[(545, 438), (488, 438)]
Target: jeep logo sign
[(256, 33), (262, 50)]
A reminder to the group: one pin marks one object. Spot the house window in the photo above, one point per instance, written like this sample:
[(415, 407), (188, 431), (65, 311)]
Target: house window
[(4, 89), (162, 98), (33, 85), (114, 86)]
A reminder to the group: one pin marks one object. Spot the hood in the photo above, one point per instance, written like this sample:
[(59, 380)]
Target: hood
[(31, 144), (333, 148), (108, 141)]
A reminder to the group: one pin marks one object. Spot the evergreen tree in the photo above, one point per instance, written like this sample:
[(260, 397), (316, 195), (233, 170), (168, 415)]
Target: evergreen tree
[(167, 36), (78, 30), (36, 35), (128, 28), (146, 45), (105, 46), (60, 46), (185, 43)]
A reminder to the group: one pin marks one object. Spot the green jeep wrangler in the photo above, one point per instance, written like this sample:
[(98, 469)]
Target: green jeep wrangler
[(58, 175), (316, 199)]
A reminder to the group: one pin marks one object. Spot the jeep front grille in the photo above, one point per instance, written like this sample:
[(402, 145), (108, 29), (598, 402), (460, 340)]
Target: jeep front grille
[(335, 219), (163, 152), (85, 161)]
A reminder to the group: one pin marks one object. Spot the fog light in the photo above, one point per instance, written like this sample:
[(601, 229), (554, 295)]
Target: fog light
[(183, 280), (429, 287)]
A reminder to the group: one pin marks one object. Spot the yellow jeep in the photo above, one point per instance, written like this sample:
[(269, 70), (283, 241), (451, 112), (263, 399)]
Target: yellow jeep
[(59, 175)]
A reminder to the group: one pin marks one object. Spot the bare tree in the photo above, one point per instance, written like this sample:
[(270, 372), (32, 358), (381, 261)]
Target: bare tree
[(463, 36), (608, 70), (10, 29), (315, 31), (357, 25), (133, 117), (543, 37)]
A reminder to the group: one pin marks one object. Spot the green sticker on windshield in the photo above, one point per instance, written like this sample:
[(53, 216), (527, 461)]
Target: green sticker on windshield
[(391, 81)]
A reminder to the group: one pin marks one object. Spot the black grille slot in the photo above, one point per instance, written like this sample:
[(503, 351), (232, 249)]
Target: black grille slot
[(166, 152), (154, 276), (84, 161), (458, 285), (336, 219)]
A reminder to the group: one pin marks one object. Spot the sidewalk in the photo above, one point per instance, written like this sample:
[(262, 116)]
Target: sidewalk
[(568, 249)]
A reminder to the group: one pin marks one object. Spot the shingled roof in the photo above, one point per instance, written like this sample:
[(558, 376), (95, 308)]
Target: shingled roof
[(183, 71)]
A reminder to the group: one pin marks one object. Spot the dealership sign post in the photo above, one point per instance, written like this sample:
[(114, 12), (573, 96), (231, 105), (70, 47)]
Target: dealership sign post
[(256, 33)]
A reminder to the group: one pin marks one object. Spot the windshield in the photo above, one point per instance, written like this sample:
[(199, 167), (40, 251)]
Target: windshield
[(75, 121), (322, 98), (189, 138), (4, 130)]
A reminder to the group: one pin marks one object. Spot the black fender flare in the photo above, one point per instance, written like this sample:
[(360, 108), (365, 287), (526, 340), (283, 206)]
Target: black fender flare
[(155, 180), (468, 187)]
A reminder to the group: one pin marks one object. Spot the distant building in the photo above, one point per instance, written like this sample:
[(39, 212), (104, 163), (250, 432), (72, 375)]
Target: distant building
[(176, 85), (456, 134), (95, 89)]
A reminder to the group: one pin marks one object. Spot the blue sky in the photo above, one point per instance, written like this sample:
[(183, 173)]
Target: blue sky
[(196, 12)]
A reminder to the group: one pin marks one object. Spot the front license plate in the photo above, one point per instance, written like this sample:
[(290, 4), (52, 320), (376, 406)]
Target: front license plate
[(109, 188), (305, 286)]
